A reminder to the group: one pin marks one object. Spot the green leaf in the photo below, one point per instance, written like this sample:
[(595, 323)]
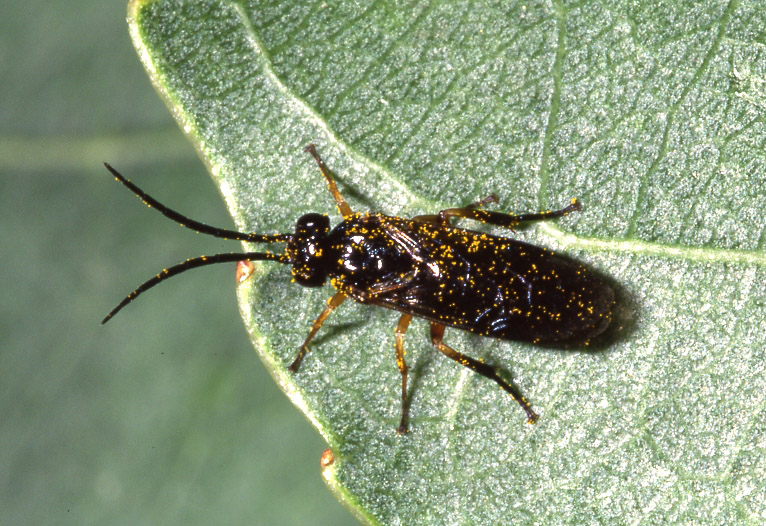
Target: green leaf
[(653, 116)]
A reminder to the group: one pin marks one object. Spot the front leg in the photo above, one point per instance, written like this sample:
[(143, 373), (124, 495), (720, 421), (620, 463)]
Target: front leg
[(332, 304)]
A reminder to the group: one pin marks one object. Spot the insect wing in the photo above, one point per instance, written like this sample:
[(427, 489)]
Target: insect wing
[(495, 286)]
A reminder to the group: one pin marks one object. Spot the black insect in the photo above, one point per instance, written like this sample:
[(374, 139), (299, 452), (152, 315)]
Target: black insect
[(427, 268)]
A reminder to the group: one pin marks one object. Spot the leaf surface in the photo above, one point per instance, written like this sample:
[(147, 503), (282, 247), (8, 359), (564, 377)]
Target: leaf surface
[(652, 115)]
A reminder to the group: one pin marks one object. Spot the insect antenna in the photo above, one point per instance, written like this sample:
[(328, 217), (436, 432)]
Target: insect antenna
[(191, 223), (190, 264), (200, 261)]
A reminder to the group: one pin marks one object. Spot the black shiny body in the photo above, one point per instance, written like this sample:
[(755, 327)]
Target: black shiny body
[(490, 285), (426, 267)]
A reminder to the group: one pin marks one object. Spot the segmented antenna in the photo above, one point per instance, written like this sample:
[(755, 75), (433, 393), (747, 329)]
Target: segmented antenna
[(200, 261), (191, 223)]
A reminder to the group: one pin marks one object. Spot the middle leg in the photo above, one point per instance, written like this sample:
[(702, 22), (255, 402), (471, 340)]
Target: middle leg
[(437, 218), (401, 328), (503, 219)]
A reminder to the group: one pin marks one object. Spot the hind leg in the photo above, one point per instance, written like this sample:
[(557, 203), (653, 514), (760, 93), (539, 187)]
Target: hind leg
[(437, 333)]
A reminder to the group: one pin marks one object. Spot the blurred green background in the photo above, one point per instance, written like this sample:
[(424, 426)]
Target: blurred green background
[(165, 415)]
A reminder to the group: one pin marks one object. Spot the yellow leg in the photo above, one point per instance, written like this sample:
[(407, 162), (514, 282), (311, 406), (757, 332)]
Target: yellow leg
[(332, 304), (401, 328), (343, 207)]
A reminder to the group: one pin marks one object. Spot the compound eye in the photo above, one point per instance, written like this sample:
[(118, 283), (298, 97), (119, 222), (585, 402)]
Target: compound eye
[(312, 224)]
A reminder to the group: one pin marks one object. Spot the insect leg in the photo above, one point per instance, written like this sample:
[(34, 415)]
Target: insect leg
[(401, 328), (503, 219), (437, 332), (332, 304), (343, 207), (436, 218), (394, 284), (491, 198)]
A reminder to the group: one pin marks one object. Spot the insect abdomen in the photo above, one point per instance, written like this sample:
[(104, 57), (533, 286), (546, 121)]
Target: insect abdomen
[(498, 287)]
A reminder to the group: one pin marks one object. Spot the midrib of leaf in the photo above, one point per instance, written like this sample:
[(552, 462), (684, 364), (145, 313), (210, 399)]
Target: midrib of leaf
[(648, 248)]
